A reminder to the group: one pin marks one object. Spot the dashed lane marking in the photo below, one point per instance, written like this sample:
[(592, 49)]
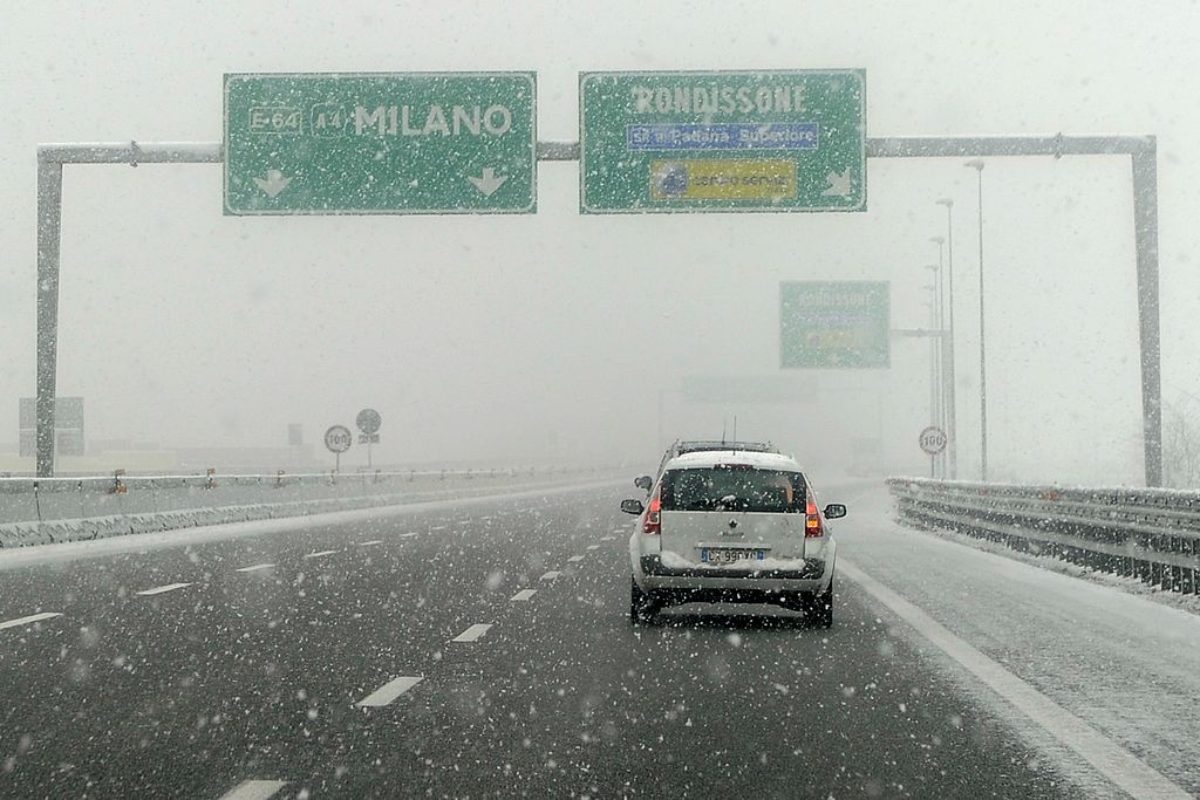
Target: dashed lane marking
[(370, 543), (390, 691), (1114, 762), (408, 535), (473, 633), (551, 575), (13, 623), (170, 587), (321, 553), (524, 594), (593, 547), (575, 559), (254, 568), (607, 538), (254, 790)]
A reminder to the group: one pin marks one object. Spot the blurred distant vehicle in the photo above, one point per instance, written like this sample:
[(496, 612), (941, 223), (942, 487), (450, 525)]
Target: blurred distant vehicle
[(732, 526)]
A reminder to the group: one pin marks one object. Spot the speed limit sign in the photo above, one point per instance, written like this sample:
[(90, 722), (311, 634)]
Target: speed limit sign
[(338, 439), (932, 440)]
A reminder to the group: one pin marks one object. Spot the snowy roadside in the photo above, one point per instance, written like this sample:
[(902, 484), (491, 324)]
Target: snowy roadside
[(1118, 655), (1185, 602)]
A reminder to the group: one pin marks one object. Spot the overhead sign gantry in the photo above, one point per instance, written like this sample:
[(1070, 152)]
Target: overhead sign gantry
[(357, 144)]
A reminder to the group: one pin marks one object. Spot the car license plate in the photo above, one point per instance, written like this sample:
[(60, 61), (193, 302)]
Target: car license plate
[(725, 555)]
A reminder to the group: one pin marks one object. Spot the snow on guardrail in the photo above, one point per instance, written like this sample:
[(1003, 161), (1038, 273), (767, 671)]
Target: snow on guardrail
[(1150, 534), (46, 510)]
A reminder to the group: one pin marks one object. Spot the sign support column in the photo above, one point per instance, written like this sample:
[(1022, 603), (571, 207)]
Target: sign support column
[(49, 239)]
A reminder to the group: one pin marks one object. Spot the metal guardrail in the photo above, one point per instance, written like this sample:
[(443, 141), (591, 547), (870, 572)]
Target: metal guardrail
[(29, 499), (1150, 534)]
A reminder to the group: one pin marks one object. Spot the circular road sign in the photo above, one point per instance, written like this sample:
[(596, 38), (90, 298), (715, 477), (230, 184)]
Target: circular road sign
[(932, 440), (368, 421), (338, 439)]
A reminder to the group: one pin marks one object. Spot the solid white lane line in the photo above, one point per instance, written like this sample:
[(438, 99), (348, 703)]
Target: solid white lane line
[(254, 790), (390, 691), (254, 568), (551, 575), (1111, 760), (370, 543), (524, 594), (575, 559), (473, 633), (593, 547), (321, 553), (13, 623), (170, 587)]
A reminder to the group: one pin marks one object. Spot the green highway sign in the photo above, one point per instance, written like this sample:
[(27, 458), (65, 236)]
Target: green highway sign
[(378, 143), (722, 141), (834, 324)]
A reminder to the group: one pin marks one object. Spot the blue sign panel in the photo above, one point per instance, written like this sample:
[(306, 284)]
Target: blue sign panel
[(723, 136)]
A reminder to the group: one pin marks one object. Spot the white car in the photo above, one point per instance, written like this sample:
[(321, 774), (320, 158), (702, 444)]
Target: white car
[(733, 526)]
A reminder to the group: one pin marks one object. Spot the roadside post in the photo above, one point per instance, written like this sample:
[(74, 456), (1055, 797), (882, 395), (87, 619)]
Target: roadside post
[(369, 422), (933, 441), (338, 440)]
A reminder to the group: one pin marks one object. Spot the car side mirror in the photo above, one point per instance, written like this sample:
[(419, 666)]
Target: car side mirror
[(835, 511), (644, 482), (632, 506)]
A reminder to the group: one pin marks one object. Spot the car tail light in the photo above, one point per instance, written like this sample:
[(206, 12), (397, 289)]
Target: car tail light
[(812, 522), (653, 522)]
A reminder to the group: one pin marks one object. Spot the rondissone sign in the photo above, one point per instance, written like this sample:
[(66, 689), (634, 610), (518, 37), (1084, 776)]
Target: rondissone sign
[(834, 324), (722, 141)]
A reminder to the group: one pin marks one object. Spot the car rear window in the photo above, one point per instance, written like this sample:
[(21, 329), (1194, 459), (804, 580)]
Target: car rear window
[(732, 487)]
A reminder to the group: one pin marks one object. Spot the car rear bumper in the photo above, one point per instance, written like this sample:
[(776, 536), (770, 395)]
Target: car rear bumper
[(710, 585), (652, 566)]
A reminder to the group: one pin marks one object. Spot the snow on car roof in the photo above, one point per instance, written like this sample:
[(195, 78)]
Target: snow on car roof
[(709, 458)]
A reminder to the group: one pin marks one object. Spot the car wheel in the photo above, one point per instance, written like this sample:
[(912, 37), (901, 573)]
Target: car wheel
[(642, 605), (818, 608)]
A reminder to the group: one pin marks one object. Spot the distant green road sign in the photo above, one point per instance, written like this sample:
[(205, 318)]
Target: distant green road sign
[(375, 143), (722, 141), (834, 324)]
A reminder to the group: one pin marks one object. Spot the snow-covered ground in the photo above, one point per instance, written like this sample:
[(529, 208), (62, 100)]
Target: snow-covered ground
[(1127, 666)]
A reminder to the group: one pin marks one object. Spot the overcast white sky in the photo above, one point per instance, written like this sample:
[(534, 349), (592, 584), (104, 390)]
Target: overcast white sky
[(562, 334)]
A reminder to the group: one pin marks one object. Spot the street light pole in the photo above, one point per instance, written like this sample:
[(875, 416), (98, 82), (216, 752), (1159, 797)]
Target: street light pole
[(939, 355), (933, 387), (951, 404), (947, 382), (977, 165)]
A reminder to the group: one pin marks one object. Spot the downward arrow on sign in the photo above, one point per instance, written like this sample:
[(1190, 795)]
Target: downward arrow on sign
[(839, 184), (274, 183), (488, 182)]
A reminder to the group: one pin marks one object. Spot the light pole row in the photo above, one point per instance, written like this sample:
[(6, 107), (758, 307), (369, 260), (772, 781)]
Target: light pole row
[(949, 409)]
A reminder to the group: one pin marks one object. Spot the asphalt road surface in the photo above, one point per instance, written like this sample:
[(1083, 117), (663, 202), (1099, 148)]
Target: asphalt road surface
[(475, 650)]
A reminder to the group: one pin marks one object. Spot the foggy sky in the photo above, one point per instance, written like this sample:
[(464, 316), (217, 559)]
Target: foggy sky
[(558, 334)]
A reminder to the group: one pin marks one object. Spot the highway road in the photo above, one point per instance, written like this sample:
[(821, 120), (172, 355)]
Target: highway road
[(482, 649)]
